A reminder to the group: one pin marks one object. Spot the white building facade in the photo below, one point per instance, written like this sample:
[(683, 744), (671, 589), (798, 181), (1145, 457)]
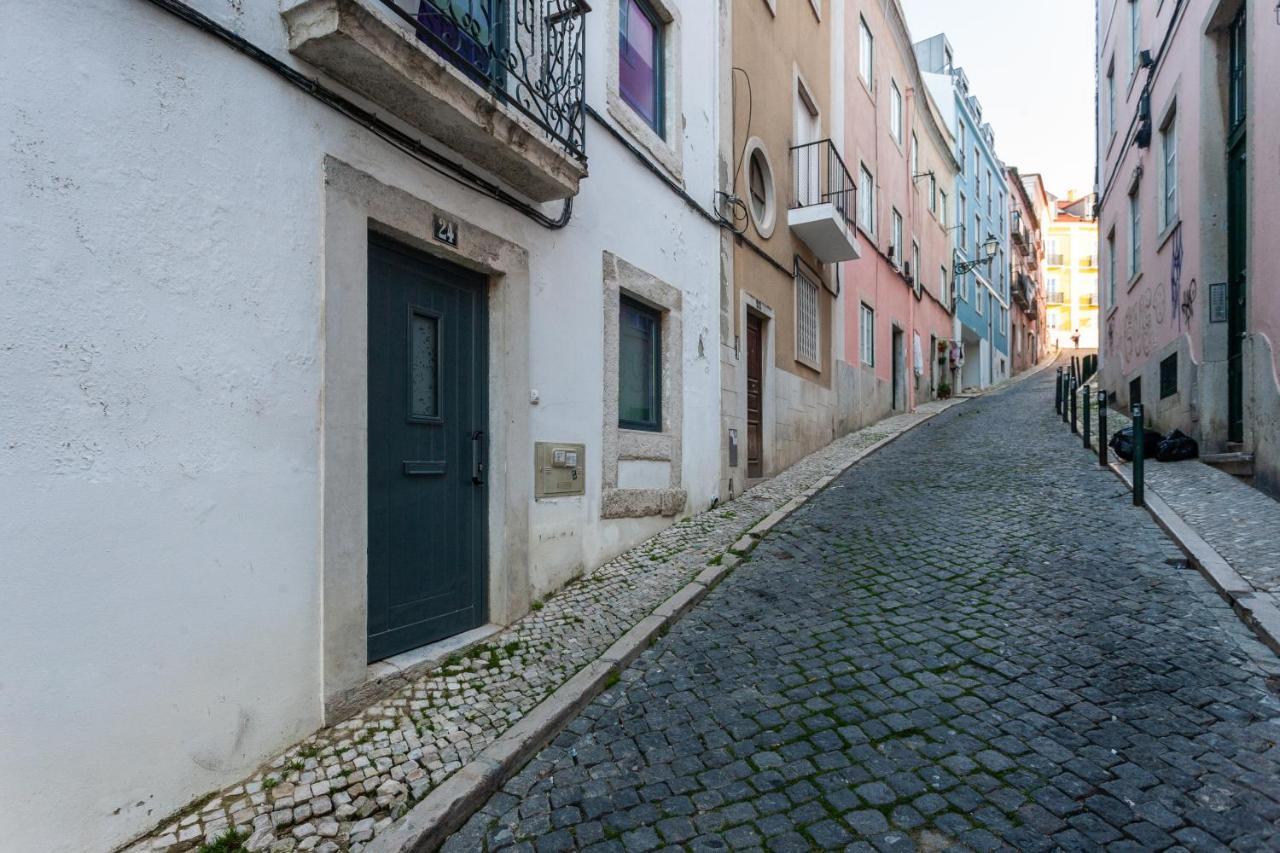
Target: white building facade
[(282, 361)]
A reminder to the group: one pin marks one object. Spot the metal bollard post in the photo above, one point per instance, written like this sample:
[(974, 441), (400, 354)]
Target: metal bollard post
[(1084, 401), (1066, 392), (1057, 393), (1074, 426), (1139, 496), (1102, 428)]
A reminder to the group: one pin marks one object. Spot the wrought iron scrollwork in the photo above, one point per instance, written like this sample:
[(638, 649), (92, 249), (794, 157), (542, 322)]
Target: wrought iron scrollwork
[(528, 54)]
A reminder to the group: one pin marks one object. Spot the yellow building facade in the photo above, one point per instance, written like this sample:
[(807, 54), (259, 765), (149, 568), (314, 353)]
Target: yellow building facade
[(1071, 274)]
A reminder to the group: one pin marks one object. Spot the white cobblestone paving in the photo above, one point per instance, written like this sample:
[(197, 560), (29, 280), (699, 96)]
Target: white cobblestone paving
[(340, 787)]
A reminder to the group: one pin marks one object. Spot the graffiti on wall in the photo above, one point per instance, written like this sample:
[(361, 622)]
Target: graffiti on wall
[(1142, 317), (1188, 305), (1152, 309)]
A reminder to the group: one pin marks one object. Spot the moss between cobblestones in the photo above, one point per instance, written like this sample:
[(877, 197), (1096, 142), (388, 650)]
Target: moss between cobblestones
[(447, 715)]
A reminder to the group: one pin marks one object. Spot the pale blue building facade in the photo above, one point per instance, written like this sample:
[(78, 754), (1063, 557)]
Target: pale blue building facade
[(980, 215)]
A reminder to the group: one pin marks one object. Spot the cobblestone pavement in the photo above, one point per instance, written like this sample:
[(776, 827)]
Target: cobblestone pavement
[(1238, 521), (970, 640), (336, 790)]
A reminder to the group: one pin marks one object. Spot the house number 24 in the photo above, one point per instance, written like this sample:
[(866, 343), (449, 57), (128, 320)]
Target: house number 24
[(446, 230)]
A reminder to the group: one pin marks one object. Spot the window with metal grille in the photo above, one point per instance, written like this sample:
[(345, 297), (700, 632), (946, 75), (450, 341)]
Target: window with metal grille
[(1169, 376), (807, 321)]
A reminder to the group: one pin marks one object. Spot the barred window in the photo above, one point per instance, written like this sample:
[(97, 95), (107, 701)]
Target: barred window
[(807, 342)]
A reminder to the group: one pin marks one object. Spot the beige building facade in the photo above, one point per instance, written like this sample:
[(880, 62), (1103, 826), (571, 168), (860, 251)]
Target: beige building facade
[(788, 196)]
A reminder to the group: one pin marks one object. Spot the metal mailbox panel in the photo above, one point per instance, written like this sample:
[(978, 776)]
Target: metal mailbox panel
[(559, 469)]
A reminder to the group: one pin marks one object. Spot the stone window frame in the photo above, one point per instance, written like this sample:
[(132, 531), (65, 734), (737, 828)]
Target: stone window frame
[(619, 444), (666, 148)]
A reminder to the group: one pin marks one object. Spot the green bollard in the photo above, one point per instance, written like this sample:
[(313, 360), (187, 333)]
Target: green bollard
[(1057, 393), (1102, 428), (1139, 495), (1066, 391), (1084, 401), (1074, 426)]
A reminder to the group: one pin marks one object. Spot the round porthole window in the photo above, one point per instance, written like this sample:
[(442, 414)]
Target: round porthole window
[(760, 192)]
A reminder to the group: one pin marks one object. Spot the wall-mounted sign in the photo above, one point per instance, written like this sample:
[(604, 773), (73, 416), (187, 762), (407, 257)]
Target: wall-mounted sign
[(445, 230), (1218, 302)]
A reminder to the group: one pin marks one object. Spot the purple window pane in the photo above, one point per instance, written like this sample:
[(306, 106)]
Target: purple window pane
[(638, 61)]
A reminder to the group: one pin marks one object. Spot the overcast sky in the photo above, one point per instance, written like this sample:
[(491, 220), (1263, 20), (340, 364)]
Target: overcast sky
[(1030, 62)]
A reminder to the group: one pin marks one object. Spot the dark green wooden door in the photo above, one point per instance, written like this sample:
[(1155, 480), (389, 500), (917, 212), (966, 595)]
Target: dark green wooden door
[(428, 404), (1237, 255)]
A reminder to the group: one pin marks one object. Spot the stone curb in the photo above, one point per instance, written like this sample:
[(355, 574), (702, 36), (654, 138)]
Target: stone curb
[(451, 804), (1259, 612)]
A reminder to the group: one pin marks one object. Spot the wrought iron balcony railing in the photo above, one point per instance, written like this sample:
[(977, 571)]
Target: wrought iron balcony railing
[(820, 177), (527, 54)]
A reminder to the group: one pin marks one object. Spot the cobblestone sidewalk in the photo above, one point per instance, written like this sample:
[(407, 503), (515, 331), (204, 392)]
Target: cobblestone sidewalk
[(338, 789), (1238, 521)]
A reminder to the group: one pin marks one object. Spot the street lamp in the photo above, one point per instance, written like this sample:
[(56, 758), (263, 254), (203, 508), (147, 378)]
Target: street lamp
[(988, 251)]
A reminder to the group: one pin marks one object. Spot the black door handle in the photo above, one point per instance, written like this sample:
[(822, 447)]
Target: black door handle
[(477, 457)]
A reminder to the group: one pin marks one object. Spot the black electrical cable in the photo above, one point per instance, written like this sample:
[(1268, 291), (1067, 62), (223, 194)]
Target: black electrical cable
[(413, 147)]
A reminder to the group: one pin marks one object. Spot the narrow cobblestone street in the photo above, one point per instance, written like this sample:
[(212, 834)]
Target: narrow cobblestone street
[(970, 639)]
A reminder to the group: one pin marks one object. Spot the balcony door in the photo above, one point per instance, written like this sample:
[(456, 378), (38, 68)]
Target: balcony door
[(808, 158), (469, 33)]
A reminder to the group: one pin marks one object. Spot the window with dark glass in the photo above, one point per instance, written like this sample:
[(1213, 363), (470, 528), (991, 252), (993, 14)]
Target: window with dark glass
[(1169, 376), (758, 184), (1238, 84), (639, 367), (640, 60)]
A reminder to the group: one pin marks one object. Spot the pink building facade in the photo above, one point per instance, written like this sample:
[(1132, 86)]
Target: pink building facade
[(1028, 211), (896, 297), (1189, 201)]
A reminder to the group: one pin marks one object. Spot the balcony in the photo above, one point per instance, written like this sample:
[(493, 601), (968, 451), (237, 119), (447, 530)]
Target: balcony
[(501, 83), (1054, 260), (1088, 262), (823, 198), (1055, 297), (1020, 288)]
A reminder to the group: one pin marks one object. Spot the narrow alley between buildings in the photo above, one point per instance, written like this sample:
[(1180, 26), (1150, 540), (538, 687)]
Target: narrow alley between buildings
[(970, 638)]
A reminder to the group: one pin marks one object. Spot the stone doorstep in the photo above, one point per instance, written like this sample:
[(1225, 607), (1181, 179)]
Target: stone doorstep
[(448, 806), (1258, 610)]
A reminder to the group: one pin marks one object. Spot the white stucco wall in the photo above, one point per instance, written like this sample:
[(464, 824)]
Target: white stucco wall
[(161, 347)]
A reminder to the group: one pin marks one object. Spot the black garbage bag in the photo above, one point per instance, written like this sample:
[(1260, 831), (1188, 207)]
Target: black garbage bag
[(1122, 443), (1177, 446)]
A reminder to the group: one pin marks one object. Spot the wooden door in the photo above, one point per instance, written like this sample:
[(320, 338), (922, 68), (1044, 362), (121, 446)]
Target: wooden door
[(755, 396), (428, 405)]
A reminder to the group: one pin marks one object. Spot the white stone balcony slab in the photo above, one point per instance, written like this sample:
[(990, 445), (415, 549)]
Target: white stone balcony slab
[(823, 229)]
